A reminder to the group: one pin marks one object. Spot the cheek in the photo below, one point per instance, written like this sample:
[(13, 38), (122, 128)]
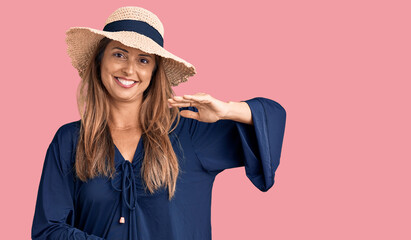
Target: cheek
[(106, 82), (146, 74), (105, 77), (106, 72)]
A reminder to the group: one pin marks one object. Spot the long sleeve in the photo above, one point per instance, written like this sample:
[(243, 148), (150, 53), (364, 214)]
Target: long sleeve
[(227, 144), (54, 212)]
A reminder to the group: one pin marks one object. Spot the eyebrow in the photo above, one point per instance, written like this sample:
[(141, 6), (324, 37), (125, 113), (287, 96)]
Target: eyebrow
[(141, 54)]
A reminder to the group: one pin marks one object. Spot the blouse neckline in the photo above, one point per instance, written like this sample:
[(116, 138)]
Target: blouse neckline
[(137, 153)]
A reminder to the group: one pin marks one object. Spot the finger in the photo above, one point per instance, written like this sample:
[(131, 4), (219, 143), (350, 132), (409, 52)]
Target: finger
[(182, 104), (181, 99), (189, 114), (202, 98), (170, 100), (185, 103)]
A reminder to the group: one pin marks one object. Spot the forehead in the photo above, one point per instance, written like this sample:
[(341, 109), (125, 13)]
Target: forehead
[(116, 45)]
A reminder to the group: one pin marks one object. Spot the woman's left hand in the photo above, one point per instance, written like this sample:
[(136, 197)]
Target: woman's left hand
[(209, 109)]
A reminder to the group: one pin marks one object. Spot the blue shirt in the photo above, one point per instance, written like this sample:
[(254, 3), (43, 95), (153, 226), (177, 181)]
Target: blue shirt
[(68, 208)]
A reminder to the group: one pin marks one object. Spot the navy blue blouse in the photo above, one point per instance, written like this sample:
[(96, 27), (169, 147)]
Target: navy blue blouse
[(68, 208)]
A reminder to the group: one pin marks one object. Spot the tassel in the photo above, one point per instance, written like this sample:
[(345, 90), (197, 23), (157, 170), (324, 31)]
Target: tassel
[(122, 220)]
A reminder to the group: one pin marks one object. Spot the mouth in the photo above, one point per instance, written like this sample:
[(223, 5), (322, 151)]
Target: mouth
[(125, 83)]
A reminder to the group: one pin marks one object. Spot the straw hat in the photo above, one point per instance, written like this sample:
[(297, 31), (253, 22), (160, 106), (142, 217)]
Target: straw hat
[(134, 27)]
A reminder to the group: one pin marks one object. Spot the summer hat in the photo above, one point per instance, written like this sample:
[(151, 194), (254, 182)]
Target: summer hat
[(134, 27)]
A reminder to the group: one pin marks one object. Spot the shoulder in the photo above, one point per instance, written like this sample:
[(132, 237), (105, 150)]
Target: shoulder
[(68, 132), (65, 141), (70, 127), (62, 148)]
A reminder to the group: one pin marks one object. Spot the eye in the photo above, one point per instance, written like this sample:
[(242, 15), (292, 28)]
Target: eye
[(118, 55), (143, 60)]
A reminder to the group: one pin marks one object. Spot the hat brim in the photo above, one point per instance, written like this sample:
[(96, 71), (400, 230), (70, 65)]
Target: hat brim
[(82, 41)]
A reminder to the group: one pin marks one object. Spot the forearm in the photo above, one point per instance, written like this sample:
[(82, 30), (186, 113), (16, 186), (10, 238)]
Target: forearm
[(240, 112)]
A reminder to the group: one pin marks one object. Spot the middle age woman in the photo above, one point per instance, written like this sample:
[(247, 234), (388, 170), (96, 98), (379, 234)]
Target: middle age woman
[(141, 162)]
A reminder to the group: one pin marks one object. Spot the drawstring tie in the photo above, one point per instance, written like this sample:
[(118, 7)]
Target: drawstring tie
[(128, 187)]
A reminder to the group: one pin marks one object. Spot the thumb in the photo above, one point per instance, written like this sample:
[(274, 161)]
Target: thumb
[(189, 114)]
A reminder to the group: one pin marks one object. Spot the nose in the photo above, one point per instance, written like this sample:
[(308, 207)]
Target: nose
[(128, 68)]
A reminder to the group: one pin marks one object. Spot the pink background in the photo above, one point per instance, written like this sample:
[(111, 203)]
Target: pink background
[(341, 69)]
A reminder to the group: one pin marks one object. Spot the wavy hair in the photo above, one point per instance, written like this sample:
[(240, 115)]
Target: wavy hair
[(95, 148)]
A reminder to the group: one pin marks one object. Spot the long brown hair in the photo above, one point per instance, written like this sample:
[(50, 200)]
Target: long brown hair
[(95, 148)]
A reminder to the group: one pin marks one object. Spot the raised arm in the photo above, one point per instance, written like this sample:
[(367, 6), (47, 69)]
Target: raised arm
[(227, 143)]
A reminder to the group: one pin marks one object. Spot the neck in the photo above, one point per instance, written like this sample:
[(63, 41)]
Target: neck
[(124, 115)]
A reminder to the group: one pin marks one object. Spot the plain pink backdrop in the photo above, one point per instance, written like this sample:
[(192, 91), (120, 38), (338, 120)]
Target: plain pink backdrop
[(341, 69)]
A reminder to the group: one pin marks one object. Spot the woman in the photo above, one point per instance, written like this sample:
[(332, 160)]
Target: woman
[(141, 162)]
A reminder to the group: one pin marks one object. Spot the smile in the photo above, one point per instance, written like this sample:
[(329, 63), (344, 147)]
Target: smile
[(125, 83)]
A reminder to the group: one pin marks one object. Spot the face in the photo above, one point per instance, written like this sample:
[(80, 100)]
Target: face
[(126, 72)]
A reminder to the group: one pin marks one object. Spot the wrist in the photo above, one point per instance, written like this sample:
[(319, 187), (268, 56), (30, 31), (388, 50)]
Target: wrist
[(235, 110)]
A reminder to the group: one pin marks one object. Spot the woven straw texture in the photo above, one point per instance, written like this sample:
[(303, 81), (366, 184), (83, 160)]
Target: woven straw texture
[(82, 41)]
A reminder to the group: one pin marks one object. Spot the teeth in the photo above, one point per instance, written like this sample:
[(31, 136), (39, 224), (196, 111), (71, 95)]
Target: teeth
[(125, 82)]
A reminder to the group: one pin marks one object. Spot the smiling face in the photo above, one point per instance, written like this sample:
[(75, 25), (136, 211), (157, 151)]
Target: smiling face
[(126, 72)]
